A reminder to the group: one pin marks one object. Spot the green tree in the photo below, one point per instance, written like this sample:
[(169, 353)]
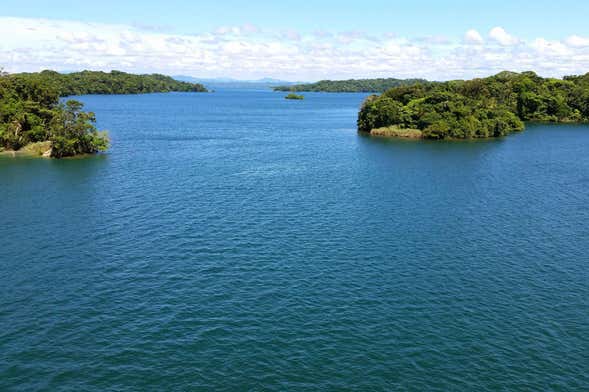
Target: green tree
[(73, 132)]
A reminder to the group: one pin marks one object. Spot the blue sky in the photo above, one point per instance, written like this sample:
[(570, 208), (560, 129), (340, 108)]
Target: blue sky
[(527, 19), (249, 39)]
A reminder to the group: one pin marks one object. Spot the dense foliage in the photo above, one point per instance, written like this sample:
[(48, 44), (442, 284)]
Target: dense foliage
[(489, 107), (351, 86), (114, 82), (30, 112)]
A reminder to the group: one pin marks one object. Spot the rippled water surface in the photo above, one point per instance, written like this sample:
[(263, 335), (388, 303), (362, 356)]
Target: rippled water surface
[(239, 241)]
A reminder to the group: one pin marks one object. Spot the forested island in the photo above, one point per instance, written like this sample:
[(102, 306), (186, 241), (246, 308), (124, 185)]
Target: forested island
[(34, 121), (351, 85), (478, 108)]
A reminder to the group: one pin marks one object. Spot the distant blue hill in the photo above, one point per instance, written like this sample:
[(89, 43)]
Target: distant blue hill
[(234, 83)]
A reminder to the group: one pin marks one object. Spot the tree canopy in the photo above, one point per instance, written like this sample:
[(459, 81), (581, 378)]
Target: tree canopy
[(351, 85), (478, 108)]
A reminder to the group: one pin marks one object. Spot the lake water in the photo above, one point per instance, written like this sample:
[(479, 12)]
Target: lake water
[(238, 241)]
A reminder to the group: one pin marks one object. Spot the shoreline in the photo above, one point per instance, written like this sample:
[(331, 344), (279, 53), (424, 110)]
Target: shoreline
[(415, 135), (396, 132), (34, 150)]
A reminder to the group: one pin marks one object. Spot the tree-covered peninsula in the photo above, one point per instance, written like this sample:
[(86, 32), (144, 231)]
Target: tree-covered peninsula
[(351, 86), (114, 82), (478, 108)]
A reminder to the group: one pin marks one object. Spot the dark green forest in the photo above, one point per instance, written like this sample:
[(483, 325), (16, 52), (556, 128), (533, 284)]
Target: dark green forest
[(114, 82), (351, 86), (478, 108)]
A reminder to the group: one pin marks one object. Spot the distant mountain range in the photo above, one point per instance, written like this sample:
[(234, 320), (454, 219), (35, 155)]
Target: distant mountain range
[(234, 83), (331, 86)]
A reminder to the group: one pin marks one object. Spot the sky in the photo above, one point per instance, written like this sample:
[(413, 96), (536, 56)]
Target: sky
[(297, 40)]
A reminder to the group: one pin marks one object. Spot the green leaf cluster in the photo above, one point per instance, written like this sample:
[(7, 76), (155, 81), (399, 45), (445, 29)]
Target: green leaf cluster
[(478, 108)]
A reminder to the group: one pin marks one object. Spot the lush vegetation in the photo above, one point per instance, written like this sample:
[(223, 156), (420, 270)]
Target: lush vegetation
[(33, 119), (294, 96), (114, 82), (479, 108), (351, 86), (31, 113)]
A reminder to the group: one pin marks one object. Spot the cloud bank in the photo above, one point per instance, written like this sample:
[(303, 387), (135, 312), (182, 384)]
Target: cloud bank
[(250, 51)]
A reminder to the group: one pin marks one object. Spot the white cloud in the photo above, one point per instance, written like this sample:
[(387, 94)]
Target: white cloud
[(433, 40), (291, 35), (473, 37), (236, 30), (577, 42), (501, 36), (551, 47), (248, 52)]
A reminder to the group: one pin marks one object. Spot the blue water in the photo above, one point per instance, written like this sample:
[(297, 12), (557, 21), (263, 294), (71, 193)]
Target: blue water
[(237, 241)]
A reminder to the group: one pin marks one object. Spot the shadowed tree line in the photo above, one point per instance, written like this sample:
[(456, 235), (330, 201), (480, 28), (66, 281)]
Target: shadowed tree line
[(478, 108), (351, 85)]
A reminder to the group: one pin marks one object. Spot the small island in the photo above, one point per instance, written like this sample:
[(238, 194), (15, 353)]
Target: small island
[(479, 108), (35, 122), (351, 85), (294, 96)]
